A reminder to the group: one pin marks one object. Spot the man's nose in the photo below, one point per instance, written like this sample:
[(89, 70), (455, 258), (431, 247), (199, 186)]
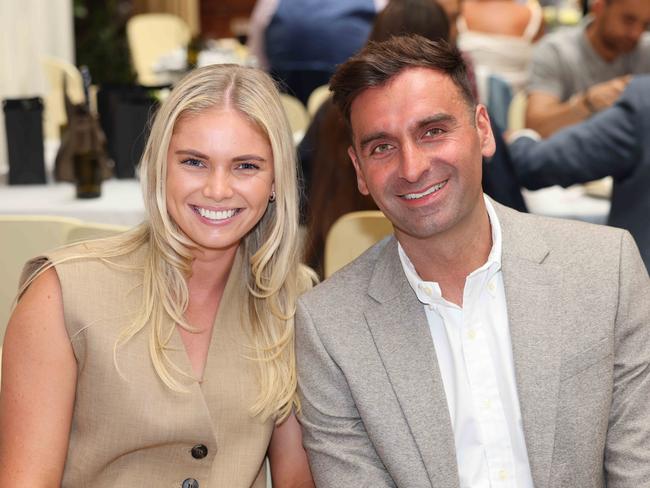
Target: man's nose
[(414, 163)]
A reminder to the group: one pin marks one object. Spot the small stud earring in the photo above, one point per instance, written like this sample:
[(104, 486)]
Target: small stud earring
[(272, 197)]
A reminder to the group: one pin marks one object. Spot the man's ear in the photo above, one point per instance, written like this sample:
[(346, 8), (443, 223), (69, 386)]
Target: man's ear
[(361, 180), (484, 130)]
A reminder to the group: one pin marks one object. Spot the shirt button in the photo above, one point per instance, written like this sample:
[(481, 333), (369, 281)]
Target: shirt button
[(471, 334), (492, 287), (199, 451), (503, 474), (190, 483), (487, 404)]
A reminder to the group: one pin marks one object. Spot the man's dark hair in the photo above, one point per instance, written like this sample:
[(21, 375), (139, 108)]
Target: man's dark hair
[(378, 62)]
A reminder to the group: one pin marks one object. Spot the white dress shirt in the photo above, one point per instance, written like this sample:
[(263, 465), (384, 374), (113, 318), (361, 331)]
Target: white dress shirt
[(474, 354)]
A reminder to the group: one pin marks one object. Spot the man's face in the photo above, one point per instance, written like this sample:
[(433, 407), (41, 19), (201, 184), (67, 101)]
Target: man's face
[(619, 24), (417, 150)]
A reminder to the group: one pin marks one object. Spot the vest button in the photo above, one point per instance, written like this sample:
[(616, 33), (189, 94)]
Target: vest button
[(190, 483), (199, 451)]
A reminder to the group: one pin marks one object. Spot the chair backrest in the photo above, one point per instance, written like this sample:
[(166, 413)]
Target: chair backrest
[(499, 98), (296, 113), (150, 36), (317, 98), (56, 70), (351, 235), (22, 237), (517, 111), (93, 230)]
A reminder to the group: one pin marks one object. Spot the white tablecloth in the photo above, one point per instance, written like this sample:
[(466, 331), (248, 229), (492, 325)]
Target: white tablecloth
[(568, 203), (120, 202)]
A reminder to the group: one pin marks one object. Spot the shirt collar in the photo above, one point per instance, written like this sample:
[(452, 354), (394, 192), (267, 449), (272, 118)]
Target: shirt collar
[(428, 291)]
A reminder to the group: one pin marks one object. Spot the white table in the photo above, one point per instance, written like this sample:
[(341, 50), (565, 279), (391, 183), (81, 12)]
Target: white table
[(120, 203)]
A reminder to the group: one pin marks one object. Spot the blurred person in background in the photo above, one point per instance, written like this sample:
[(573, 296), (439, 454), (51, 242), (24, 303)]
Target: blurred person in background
[(301, 41), (164, 356), (498, 36), (579, 71), (614, 142)]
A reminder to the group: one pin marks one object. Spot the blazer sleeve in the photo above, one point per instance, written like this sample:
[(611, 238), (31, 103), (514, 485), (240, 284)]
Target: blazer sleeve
[(339, 450), (627, 449), (608, 144)]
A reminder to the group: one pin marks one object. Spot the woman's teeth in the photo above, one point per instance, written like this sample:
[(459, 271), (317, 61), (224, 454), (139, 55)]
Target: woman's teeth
[(216, 214)]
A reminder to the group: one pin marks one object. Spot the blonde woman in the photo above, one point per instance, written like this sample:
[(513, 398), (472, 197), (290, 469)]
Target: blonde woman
[(164, 357)]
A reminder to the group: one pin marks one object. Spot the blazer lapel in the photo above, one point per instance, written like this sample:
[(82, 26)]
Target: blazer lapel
[(532, 293), (399, 328)]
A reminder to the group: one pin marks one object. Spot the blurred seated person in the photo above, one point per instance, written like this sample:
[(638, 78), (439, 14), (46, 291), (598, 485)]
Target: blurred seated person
[(331, 183), (576, 72), (301, 41), (166, 353), (498, 36), (613, 143)]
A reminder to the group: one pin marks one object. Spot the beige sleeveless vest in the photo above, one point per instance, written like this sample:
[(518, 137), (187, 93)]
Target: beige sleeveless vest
[(128, 428)]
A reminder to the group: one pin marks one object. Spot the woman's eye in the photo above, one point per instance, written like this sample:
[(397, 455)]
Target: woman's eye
[(380, 148), (248, 165), (196, 163)]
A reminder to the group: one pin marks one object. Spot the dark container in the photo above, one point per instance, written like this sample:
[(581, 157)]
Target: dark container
[(24, 127)]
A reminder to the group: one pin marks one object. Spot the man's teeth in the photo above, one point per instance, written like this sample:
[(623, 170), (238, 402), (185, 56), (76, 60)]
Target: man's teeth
[(434, 188), (216, 214)]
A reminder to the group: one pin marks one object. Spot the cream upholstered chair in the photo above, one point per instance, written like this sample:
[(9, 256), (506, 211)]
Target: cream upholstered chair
[(517, 111), (93, 230), (23, 237), (297, 115), (150, 36), (56, 70), (317, 98), (351, 235)]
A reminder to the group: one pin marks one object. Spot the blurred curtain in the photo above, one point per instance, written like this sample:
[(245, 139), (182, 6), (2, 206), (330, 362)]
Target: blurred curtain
[(188, 10), (29, 31)]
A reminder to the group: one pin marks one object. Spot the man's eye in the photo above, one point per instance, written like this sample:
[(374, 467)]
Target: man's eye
[(433, 132), (380, 148), (196, 163)]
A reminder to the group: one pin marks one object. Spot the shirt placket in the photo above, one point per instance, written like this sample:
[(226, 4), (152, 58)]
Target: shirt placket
[(482, 377)]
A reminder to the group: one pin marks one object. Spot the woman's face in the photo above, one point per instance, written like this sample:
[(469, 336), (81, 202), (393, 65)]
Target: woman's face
[(219, 177)]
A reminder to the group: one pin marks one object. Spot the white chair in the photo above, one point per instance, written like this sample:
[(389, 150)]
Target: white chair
[(297, 115), (351, 235), (150, 36), (56, 70), (317, 98), (23, 237)]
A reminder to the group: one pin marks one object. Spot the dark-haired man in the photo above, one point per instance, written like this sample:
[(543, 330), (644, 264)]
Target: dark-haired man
[(579, 71), (478, 347)]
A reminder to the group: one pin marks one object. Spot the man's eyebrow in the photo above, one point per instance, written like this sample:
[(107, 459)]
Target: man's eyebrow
[(372, 137), (434, 119)]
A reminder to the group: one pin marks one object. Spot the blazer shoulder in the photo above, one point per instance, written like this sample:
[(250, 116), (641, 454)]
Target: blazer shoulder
[(350, 281)]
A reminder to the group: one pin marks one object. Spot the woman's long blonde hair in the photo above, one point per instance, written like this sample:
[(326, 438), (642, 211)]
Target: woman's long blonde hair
[(274, 276)]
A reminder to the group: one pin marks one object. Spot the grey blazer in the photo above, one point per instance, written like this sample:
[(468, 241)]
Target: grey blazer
[(615, 142), (578, 297)]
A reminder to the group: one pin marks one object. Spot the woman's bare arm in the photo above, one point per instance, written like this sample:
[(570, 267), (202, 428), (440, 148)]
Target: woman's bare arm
[(289, 465), (37, 390)]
